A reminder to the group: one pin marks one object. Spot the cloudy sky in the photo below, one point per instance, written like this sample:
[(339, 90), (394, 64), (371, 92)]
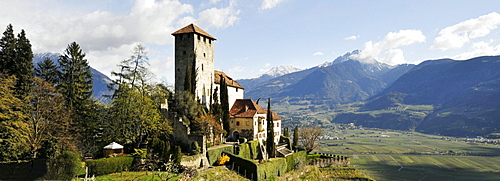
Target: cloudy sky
[(256, 35)]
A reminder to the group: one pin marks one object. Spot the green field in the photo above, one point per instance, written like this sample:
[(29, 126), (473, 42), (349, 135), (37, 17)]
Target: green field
[(435, 167), (400, 155)]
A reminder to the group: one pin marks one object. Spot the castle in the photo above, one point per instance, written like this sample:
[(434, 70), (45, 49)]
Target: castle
[(194, 52)]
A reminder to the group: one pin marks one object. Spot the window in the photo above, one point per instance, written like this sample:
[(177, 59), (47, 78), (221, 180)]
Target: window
[(184, 52), (236, 89), (201, 67), (199, 37), (204, 55), (237, 123)]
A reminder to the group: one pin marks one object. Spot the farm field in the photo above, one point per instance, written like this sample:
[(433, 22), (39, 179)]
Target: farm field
[(376, 141), (400, 155), (428, 167)]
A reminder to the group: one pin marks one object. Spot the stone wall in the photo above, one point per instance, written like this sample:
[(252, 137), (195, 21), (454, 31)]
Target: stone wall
[(330, 160)]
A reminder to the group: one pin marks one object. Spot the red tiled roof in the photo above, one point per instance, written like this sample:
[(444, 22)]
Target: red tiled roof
[(229, 80), (247, 108), (193, 29)]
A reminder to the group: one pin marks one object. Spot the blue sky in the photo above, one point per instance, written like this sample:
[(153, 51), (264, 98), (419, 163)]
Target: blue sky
[(256, 35)]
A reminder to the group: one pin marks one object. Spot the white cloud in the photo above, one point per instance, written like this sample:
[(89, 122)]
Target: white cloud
[(456, 36), (219, 17), (235, 70), (269, 4), (389, 46), (318, 53), (108, 37), (267, 65), (353, 37), (480, 49)]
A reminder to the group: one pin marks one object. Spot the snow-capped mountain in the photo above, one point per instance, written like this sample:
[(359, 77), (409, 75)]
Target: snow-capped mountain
[(272, 73), (279, 71)]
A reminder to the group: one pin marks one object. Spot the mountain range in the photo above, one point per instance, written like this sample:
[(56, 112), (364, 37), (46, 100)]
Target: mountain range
[(448, 97), (100, 81)]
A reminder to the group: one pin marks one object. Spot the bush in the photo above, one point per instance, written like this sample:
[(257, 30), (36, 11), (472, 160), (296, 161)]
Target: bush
[(64, 166), (223, 159), (109, 165)]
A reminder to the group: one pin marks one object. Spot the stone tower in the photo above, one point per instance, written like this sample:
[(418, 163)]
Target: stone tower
[(194, 50)]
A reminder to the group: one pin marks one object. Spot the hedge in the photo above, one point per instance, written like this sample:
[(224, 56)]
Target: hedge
[(245, 167), (109, 165), (214, 154)]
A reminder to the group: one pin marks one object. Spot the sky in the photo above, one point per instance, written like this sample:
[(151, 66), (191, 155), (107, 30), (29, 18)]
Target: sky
[(255, 35)]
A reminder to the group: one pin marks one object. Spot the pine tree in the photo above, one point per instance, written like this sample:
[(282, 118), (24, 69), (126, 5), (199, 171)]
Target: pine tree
[(23, 66), (16, 59), (47, 71), (270, 146), (8, 51), (76, 87), (75, 76)]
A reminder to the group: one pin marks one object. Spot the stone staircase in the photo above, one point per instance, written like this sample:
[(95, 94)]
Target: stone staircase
[(283, 150)]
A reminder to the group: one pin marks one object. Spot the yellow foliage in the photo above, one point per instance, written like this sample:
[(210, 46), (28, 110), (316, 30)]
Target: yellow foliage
[(223, 159)]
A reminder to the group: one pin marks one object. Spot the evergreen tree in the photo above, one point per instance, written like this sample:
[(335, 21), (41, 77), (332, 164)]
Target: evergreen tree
[(75, 77), (224, 99), (295, 137), (76, 86), (47, 70), (16, 59), (8, 51), (270, 146), (286, 133), (23, 66)]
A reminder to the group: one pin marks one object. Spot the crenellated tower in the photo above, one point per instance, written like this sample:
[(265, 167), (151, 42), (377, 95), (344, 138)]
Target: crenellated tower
[(194, 50)]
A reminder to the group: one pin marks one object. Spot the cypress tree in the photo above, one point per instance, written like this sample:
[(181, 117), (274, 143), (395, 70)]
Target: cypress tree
[(286, 133), (224, 99), (270, 146), (295, 137)]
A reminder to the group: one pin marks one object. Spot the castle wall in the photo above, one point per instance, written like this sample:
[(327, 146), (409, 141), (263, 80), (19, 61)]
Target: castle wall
[(233, 94)]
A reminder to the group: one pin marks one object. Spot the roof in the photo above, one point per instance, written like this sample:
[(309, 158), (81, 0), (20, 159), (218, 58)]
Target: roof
[(113, 146), (229, 80), (247, 108), (193, 29)]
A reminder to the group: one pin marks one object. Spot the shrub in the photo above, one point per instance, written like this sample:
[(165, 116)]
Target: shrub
[(109, 165), (223, 159), (64, 166)]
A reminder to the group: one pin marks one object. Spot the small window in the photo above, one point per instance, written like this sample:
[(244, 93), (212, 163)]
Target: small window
[(237, 123), (204, 39), (199, 37), (209, 41), (204, 55), (236, 89), (201, 67), (184, 52)]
